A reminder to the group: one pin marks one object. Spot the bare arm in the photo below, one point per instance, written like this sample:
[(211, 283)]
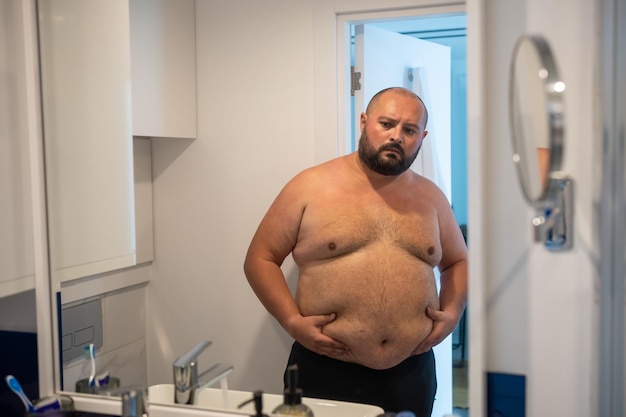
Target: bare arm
[(274, 239), (453, 291)]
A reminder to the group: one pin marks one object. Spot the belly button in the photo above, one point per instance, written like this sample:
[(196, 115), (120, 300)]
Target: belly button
[(383, 342)]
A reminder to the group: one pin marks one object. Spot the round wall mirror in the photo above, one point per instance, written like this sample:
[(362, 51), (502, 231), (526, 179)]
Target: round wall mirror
[(536, 117)]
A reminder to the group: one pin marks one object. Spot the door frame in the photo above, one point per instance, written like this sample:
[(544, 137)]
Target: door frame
[(611, 383)]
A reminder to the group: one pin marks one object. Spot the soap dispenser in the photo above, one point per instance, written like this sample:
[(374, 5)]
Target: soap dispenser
[(292, 404), (257, 397)]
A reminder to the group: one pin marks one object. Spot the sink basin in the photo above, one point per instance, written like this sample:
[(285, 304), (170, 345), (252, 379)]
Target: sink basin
[(214, 399)]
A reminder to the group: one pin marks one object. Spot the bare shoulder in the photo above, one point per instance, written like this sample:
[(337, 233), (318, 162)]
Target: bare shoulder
[(311, 179), (327, 168), (427, 188), (298, 193)]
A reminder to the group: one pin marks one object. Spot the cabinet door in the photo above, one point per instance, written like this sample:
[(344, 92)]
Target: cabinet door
[(85, 72), (163, 54), (16, 231)]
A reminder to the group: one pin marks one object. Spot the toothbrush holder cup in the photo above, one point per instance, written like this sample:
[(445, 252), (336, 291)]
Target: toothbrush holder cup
[(65, 401), (82, 386)]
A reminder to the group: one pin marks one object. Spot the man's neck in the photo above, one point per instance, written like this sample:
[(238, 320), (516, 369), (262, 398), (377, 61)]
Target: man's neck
[(376, 179)]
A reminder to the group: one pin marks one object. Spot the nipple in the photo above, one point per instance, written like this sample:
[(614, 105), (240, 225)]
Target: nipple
[(431, 251), (332, 246)]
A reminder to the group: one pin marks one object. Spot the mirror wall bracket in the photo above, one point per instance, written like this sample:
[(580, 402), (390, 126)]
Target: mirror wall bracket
[(554, 224)]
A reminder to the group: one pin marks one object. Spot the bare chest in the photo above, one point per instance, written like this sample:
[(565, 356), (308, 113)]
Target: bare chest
[(338, 225)]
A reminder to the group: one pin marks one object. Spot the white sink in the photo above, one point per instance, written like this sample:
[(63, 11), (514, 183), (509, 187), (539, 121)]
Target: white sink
[(161, 394), (213, 398)]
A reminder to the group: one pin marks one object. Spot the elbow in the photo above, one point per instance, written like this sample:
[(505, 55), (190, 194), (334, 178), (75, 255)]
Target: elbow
[(248, 265)]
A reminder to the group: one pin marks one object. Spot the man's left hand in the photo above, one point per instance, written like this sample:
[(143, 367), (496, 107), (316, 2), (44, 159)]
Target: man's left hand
[(443, 324)]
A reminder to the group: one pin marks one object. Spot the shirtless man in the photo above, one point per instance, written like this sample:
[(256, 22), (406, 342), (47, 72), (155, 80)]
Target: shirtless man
[(366, 233)]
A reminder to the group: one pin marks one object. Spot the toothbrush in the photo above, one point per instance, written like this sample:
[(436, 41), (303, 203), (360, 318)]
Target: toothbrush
[(17, 388), (48, 404), (90, 353), (103, 379)]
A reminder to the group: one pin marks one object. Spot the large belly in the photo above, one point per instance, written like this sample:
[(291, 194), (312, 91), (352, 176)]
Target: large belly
[(380, 298)]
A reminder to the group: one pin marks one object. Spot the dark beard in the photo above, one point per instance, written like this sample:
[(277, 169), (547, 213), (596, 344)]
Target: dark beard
[(384, 165)]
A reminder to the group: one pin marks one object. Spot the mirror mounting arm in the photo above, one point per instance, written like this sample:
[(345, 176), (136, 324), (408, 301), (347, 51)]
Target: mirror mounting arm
[(553, 226)]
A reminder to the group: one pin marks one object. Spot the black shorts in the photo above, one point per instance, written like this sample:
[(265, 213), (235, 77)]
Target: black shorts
[(408, 386)]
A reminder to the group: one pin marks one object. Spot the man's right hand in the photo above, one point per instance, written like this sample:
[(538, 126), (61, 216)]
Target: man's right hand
[(308, 332)]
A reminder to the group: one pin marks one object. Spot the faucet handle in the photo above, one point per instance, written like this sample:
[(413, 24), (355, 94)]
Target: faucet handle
[(186, 374), (187, 359)]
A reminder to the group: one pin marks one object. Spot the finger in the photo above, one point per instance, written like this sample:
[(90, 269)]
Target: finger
[(324, 319), (332, 344), (332, 349), (435, 315), (433, 339), (334, 352), (323, 340), (421, 348)]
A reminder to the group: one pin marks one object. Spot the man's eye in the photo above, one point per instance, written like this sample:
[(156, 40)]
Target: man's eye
[(386, 125), (410, 131)]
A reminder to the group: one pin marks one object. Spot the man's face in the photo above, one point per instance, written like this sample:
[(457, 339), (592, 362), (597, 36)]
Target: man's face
[(392, 134)]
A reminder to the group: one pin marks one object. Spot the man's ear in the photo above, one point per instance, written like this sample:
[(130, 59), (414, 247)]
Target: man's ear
[(362, 121)]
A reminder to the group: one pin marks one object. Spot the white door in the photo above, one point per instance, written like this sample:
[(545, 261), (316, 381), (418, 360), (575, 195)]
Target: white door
[(388, 59)]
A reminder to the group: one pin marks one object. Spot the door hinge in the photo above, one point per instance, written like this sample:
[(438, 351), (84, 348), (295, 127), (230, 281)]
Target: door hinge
[(355, 81)]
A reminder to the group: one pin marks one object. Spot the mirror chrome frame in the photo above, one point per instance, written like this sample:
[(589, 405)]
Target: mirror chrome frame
[(554, 222)]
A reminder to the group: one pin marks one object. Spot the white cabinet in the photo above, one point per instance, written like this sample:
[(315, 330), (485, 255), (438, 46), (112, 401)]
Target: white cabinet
[(16, 215), (163, 55), (86, 102)]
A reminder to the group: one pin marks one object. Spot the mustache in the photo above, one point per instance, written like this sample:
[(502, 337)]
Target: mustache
[(393, 146)]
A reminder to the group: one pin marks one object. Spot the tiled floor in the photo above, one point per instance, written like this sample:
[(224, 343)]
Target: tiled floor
[(460, 412), (460, 399)]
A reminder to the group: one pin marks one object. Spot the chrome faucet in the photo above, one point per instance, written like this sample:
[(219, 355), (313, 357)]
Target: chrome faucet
[(187, 382)]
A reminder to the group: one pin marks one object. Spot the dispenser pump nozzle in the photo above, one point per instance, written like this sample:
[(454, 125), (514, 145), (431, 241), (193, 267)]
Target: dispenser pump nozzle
[(257, 397), (292, 394), (292, 403)]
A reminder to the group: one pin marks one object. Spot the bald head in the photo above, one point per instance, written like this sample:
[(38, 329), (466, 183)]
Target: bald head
[(378, 97)]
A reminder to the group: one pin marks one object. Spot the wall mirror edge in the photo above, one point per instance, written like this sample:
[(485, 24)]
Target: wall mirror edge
[(51, 342)]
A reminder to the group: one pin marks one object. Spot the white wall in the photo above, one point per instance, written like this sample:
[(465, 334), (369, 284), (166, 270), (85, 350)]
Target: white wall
[(255, 131)]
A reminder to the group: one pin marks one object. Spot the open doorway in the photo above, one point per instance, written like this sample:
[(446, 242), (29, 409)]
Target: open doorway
[(447, 29)]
